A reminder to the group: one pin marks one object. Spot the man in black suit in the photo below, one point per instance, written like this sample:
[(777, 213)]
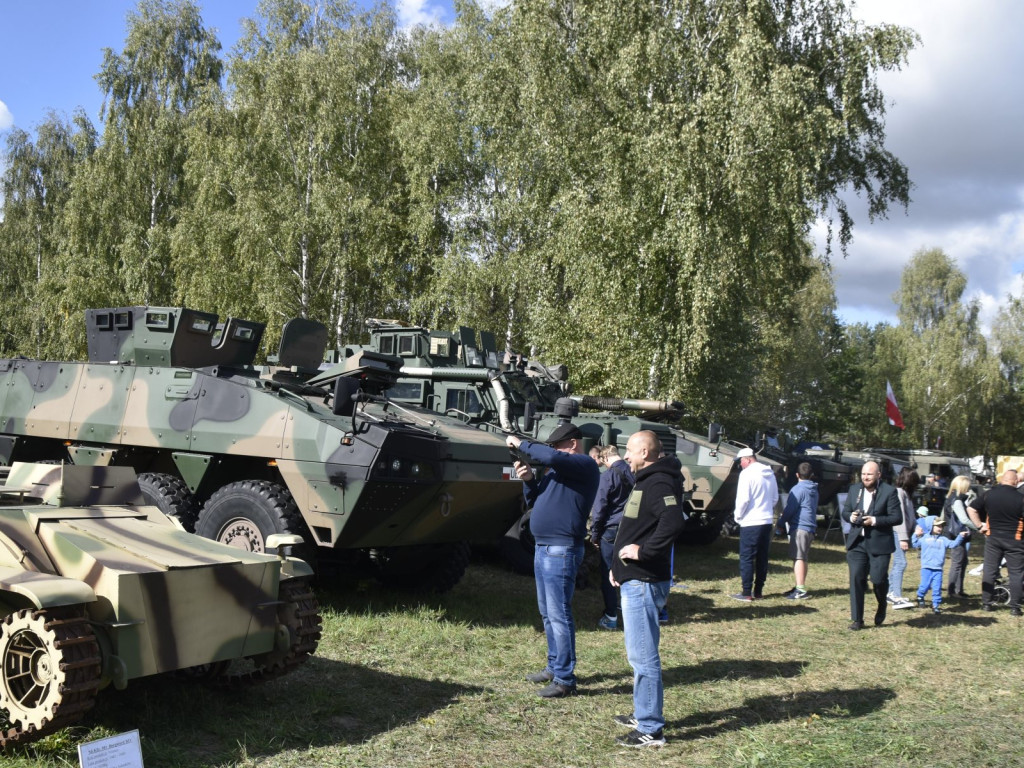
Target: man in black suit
[(872, 509)]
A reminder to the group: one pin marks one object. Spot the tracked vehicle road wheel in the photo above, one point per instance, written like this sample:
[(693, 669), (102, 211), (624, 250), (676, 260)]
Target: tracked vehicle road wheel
[(171, 496), (422, 568), (298, 617), (51, 668), (244, 514)]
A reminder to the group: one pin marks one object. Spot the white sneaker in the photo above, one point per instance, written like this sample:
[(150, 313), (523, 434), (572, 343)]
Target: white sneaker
[(891, 599), (901, 603), (976, 571)]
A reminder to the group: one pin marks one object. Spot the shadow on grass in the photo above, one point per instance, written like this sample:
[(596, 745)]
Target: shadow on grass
[(324, 703), (705, 672), (833, 703), (703, 610), (946, 619), (487, 597)]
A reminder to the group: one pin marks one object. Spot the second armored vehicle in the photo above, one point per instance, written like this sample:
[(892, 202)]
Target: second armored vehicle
[(98, 589), (461, 376)]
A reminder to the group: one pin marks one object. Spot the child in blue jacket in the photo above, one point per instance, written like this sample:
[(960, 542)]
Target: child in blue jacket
[(933, 546)]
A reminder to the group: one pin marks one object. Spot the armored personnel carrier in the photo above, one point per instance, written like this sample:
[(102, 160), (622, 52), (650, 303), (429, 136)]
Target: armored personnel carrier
[(97, 589), (239, 453), (463, 375)]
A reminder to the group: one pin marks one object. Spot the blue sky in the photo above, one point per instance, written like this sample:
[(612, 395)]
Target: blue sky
[(955, 117)]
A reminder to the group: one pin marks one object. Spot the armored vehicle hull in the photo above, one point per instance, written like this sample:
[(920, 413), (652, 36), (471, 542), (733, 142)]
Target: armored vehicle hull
[(239, 454), (98, 589), (502, 392)]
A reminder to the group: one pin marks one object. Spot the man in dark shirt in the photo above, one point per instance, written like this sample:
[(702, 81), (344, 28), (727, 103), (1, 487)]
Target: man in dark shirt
[(1002, 509), (651, 521), (612, 492), (561, 501)]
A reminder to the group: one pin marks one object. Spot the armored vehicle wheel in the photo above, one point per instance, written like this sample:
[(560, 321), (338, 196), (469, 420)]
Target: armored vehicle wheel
[(245, 513), (517, 546), (424, 568), (51, 670), (171, 496), (701, 529)]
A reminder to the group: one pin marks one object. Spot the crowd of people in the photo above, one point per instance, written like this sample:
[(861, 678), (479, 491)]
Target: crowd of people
[(633, 511)]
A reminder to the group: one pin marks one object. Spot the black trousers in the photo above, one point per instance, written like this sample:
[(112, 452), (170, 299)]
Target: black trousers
[(995, 551), (957, 568), (863, 564)]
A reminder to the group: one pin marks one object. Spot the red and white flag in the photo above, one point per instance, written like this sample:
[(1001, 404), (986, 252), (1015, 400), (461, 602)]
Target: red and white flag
[(891, 409)]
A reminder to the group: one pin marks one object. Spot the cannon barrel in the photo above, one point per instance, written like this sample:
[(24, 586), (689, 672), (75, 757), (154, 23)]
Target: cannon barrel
[(626, 404)]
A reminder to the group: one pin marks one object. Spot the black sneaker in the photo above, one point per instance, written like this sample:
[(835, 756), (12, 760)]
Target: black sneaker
[(936, 609), (545, 676), (637, 739), (920, 603), (555, 690), (626, 721)]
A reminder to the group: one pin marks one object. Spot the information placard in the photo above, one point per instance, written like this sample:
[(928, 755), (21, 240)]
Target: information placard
[(121, 751)]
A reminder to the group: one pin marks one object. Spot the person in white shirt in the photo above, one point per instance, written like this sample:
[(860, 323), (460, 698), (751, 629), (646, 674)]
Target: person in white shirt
[(757, 493)]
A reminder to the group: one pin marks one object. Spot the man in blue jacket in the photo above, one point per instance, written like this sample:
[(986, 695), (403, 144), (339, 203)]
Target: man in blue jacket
[(801, 513), (561, 501)]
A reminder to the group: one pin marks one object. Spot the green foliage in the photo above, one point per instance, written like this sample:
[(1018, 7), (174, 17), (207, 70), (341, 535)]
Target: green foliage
[(627, 188)]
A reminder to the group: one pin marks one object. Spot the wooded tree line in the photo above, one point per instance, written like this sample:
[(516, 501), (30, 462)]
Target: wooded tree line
[(626, 187)]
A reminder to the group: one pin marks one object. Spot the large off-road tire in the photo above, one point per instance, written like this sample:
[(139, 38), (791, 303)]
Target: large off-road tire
[(517, 546), (245, 513), (423, 568), (702, 529), (171, 496), (50, 667)]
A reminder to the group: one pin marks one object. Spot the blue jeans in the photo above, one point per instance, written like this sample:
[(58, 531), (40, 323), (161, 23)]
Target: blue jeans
[(554, 568), (899, 565), (755, 541), (641, 603)]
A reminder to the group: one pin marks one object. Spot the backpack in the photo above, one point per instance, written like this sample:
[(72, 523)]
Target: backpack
[(954, 525)]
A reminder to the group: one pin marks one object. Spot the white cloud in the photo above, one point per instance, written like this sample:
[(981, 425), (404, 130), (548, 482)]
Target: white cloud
[(953, 117), (6, 118), (412, 13)]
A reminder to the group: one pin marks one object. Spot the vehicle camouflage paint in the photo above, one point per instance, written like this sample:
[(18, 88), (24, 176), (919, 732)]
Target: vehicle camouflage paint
[(453, 374), (239, 453), (98, 589)]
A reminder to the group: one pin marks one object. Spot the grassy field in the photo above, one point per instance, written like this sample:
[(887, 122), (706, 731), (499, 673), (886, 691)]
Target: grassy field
[(438, 681)]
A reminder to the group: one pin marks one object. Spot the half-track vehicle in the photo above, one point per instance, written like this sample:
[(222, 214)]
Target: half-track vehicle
[(463, 374), (942, 465), (98, 589), (239, 452)]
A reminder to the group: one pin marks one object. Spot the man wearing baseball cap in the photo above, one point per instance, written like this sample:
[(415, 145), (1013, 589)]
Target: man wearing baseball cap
[(757, 493), (561, 501)]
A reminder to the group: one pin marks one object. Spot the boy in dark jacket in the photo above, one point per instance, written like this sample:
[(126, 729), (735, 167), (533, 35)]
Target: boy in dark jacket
[(651, 521)]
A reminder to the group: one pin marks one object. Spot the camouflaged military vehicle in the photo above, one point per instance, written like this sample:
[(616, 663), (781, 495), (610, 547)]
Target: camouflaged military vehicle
[(455, 374), (239, 453), (97, 589)]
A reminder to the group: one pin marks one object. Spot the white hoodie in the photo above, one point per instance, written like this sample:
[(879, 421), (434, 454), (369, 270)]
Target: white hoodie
[(757, 493)]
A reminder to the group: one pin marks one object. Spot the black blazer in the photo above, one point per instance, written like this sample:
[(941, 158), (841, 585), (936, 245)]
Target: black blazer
[(885, 508)]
